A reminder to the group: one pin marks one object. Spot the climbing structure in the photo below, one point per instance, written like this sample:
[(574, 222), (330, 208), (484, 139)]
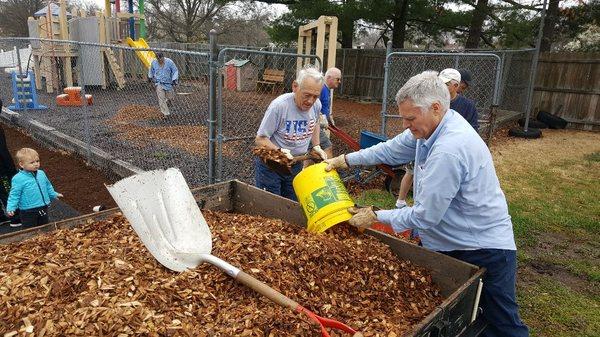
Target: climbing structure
[(24, 93)]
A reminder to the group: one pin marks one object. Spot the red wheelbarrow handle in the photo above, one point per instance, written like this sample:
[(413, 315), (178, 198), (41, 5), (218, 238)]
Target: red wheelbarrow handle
[(327, 323), (354, 145)]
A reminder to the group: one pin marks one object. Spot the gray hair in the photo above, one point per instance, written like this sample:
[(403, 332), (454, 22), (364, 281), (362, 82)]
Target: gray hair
[(332, 71), (309, 71), (423, 90)]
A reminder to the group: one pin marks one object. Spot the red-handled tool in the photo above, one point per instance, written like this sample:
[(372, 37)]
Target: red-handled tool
[(327, 323)]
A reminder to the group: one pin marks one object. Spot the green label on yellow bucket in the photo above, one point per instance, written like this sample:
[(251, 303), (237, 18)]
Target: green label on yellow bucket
[(332, 191), (323, 197)]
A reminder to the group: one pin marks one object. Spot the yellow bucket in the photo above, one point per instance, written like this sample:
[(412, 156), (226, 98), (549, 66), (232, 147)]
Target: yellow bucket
[(323, 197)]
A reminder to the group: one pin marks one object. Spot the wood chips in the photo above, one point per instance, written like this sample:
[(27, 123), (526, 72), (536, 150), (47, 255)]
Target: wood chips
[(190, 138), (99, 280)]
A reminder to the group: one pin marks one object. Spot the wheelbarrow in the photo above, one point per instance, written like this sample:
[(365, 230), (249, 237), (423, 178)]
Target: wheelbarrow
[(164, 214), (368, 139)]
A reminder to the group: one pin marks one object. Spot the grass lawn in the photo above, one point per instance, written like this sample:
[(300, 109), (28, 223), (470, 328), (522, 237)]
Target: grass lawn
[(552, 186)]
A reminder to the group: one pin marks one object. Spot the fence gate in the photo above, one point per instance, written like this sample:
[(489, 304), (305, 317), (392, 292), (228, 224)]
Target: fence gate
[(400, 66), (247, 82)]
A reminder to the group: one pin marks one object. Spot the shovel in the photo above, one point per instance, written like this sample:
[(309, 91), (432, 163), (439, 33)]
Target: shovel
[(164, 214)]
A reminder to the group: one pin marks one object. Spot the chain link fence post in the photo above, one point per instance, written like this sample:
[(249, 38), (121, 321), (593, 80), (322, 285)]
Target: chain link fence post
[(84, 108), (534, 65), (212, 106), (21, 90), (388, 51)]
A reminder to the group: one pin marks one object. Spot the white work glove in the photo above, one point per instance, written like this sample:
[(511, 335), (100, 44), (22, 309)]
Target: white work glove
[(287, 153), (362, 217), (400, 203), (320, 152), (335, 163)]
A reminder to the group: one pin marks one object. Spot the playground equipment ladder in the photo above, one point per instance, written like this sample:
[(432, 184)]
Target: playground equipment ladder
[(115, 67), (24, 93)]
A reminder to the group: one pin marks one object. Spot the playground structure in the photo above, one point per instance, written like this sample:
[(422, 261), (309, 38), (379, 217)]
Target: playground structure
[(322, 29), (55, 63)]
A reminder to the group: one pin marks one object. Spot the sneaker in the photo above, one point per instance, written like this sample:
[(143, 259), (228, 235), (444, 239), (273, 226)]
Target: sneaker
[(15, 224), (400, 203)]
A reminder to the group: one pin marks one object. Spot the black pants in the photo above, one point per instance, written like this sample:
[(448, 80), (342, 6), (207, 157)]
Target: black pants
[(34, 217)]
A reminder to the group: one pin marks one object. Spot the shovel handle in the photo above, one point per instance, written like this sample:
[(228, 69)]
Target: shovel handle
[(286, 302), (265, 290)]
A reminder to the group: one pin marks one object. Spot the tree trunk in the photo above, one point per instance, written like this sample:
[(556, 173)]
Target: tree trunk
[(399, 22), (475, 30), (346, 27), (549, 25)]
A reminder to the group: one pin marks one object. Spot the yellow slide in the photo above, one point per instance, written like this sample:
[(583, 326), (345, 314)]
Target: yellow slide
[(146, 56)]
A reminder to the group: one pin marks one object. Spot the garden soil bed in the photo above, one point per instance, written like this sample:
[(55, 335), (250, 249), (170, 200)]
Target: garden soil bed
[(82, 185)]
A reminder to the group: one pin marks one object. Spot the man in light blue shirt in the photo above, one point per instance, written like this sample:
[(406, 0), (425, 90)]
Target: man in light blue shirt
[(164, 74), (459, 208)]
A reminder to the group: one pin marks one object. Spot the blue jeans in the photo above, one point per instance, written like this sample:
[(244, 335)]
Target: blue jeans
[(498, 297), (271, 181)]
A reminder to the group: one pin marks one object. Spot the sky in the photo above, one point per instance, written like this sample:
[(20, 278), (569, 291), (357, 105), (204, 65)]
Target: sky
[(277, 8)]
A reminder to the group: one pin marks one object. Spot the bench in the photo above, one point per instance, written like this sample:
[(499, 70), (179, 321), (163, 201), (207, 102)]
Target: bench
[(273, 78)]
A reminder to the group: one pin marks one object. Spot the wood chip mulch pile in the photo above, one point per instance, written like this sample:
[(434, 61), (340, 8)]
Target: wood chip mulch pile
[(275, 155), (99, 280)]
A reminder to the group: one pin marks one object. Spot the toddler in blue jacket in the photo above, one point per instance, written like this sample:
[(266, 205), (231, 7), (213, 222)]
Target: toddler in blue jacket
[(31, 191)]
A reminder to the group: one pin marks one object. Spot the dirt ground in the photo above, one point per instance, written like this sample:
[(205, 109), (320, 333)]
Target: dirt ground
[(82, 185)]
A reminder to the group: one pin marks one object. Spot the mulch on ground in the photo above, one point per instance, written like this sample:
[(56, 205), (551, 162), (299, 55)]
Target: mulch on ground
[(98, 279), (82, 185)]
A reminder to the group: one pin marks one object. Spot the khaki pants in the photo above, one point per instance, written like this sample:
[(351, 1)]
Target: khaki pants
[(323, 123), (164, 98)]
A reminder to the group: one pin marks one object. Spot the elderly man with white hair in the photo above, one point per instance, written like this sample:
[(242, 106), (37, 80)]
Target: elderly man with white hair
[(290, 124), (459, 209)]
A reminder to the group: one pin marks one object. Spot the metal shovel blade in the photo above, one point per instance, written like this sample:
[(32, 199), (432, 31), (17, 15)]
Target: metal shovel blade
[(163, 212)]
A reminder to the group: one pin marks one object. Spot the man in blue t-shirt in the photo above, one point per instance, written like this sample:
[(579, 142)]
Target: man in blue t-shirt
[(459, 103), (333, 78)]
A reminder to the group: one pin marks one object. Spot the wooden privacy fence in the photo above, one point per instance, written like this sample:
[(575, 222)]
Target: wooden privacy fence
[(568, 84)]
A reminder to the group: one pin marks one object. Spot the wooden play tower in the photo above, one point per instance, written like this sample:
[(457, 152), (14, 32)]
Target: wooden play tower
[(324, 32)]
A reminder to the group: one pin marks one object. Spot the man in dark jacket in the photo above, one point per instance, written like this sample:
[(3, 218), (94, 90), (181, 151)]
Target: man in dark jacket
[(7, 171)]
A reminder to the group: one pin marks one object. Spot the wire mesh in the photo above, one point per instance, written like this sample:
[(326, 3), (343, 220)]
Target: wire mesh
[(248, 81), (125, 122), (123, 117), (401, 66), (516, 67)]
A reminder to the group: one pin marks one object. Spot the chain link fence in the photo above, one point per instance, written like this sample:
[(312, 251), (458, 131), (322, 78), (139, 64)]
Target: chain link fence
[(217, 105), (400, 66), (515, 83), (248, 81), (122, 119)]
